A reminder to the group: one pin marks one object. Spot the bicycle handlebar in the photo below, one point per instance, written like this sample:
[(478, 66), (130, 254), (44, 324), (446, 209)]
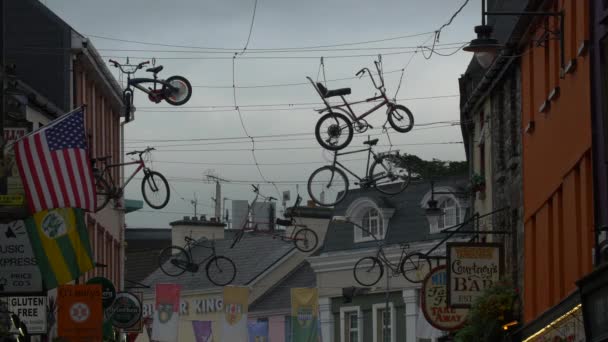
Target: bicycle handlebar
[(136, 67), (147, 149)]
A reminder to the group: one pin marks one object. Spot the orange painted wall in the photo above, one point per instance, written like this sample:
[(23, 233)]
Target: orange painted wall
[(557, 180)]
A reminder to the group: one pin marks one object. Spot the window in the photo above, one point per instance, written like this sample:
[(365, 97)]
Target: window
[(384, 323), (451, 213), (373, 219), (351, 327), (372, 222)]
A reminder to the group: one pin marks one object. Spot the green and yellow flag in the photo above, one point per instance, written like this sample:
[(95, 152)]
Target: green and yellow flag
[(305, 314), (61, 244)]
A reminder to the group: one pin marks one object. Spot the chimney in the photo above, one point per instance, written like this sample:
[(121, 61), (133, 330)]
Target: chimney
[(196, 228)]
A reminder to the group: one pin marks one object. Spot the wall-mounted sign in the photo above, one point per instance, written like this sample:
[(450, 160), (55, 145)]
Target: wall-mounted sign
[(108, 293), (80, 312), (434, 302), (19, 272), (139, 326), (31, 311), (472, 268), (9, 168), (126, 310)]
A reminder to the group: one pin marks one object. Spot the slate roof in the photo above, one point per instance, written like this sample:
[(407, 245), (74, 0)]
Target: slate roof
[(279, 297), (253, 255), (408, 223), (143, 245)]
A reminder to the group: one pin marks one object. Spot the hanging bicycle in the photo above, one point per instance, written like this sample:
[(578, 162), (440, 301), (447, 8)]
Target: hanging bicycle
[(334, 130), (175, 90), (303, 238), (154, 186), (388, 174), (175, 260)]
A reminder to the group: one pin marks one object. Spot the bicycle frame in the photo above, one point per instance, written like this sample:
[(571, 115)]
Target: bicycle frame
[(380, 255), (191, 242), (136, 83), (370, 153), (141, 165)]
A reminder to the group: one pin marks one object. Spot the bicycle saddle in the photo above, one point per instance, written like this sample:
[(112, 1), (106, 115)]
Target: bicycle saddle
[(371, 142), (330, 93), (155, 70)]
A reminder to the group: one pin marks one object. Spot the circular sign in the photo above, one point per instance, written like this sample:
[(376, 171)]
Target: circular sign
[(80, 312), (126, 310), (108, 292), (434, 302)]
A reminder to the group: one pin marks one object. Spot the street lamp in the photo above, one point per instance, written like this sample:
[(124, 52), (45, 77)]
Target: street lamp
[(432, 211), (22, 333), (485, 47)]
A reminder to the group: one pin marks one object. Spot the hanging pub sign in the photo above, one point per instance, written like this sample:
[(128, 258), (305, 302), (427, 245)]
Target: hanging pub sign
[(434, 302), (472, 268), (126, 311)]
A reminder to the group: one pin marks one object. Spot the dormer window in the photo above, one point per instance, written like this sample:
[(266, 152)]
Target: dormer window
[(451, 213), (372, 222), (365, 212)]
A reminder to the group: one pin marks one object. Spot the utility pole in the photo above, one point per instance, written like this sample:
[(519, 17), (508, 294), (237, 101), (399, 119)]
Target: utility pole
[(194, 202), (213, 178)]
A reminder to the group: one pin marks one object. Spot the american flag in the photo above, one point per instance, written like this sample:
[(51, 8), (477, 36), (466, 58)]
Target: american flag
[(54, 165)]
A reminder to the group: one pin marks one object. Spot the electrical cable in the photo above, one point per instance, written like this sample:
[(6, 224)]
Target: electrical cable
[(255, 6), (281, 48)]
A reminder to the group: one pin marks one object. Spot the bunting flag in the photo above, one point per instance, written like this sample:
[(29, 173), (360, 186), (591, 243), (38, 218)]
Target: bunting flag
[(166, 318), (54, 165), (305, 314), (236, 302), (60, 241), (202, 331), (258, 331)]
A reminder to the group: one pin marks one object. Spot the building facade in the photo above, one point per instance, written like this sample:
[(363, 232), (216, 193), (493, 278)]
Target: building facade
[(400, 224)]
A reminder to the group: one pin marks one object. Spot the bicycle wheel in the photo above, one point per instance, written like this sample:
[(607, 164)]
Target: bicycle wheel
[(415, 267), (155, 189), (179, 96), (334, 131), (327, 186), (306, 240), (368, 271), (104, 192), (400, 118), (389, 174), (220, 270), (174, 260)]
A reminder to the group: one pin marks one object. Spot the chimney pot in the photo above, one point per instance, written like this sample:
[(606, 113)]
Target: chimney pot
[(186, 218)]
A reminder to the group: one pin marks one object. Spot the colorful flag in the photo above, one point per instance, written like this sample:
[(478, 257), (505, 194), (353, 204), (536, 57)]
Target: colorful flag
[(236, 303), (54, 165), (80, 312), (202, 331), (61, 245), (166, 318), (305, 314), (258, 331)]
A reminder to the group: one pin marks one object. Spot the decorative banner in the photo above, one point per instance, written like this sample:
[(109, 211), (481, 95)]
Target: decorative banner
[(434, 302), (202, 331), (258, 331), (166, 319), (31, 311), (236, 302), (473, 267), (61, 244), (126, 310), (108, 291), (304, 314), (80, 312), (19, 272), (15, 193)]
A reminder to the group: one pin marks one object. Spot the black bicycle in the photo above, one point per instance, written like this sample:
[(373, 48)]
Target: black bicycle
[(334, 130), (175, 90), (328, 185), (368, 270), (175, 260)]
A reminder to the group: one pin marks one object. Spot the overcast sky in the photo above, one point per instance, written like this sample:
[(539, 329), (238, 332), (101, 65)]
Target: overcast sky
[(278, 24)]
